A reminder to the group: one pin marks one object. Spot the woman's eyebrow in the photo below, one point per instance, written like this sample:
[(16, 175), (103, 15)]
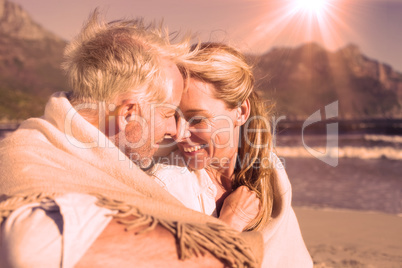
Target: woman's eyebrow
[(195, 111)]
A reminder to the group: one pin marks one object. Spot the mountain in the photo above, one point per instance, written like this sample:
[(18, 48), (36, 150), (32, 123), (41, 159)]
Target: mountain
[(299, 80), (304, 79), (30, 59)]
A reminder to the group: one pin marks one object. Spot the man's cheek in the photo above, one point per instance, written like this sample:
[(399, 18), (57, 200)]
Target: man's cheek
[(134, 133)]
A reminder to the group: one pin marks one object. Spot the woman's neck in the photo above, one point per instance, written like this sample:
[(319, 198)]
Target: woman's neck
[(222, 173), (222, 176)]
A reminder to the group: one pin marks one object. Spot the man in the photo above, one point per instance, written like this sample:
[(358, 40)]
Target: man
[(68, 187)]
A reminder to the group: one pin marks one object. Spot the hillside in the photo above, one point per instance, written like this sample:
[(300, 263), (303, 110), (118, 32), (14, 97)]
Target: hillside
[(304, 79), (30, 59)]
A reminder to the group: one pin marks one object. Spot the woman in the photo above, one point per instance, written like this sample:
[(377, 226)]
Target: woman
[(225, 165)]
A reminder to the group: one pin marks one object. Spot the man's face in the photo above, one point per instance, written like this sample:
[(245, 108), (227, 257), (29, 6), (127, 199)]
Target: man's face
[(156, 120)]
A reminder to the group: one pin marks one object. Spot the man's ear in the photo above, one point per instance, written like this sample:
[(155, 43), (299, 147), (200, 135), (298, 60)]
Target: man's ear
[(243, 113), (125, 112)]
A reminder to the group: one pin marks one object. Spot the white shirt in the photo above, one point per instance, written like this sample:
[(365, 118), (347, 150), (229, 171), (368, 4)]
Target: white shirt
[(193, 188)]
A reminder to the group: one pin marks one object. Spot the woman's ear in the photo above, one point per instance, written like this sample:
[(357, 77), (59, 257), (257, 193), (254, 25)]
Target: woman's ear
[(243, 113)]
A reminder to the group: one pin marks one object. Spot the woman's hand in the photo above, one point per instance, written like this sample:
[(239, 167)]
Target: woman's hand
[(240, 208)]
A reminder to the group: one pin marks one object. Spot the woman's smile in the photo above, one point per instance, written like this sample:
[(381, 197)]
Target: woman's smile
[(194, 149)]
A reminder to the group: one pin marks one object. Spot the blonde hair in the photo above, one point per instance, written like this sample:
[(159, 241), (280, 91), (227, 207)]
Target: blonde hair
[(107, 61), (227, 70)]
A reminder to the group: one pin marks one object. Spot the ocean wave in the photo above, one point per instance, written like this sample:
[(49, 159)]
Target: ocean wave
[(343, 152), (385, 138)]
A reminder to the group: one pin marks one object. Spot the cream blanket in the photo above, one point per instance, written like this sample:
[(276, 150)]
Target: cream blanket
[(61, 152)]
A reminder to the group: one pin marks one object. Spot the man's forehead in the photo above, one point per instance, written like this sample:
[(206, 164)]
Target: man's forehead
[(174, 99), (166, 107)]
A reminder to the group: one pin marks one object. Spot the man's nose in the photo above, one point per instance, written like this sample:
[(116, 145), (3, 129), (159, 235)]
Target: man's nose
[(171, 127), (182, 130)]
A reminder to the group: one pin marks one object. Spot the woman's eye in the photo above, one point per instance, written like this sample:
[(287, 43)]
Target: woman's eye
[(197, 120)]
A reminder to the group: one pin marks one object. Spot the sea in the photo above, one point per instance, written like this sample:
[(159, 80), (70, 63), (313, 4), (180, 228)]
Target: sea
[(367, 173)]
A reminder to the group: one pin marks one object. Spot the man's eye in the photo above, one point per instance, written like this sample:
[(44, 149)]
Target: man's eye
[(176, 116), (170, 114)]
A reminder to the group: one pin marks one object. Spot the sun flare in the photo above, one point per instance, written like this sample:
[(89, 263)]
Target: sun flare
[(289, 22), (317, 7)]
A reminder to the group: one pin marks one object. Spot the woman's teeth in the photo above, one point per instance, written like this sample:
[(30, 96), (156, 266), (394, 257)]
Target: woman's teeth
[(192, 149)]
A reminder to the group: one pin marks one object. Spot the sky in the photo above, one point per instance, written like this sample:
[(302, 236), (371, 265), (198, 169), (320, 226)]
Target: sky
[(255, 26)]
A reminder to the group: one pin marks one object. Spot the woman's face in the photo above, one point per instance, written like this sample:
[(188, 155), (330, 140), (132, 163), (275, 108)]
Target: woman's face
[(213, 132)]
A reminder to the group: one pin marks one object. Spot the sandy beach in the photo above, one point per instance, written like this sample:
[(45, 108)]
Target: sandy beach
[(346, 238), (350, 215)]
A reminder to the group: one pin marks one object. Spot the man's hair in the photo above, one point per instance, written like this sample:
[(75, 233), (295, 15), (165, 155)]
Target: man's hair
[(123, 58)]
